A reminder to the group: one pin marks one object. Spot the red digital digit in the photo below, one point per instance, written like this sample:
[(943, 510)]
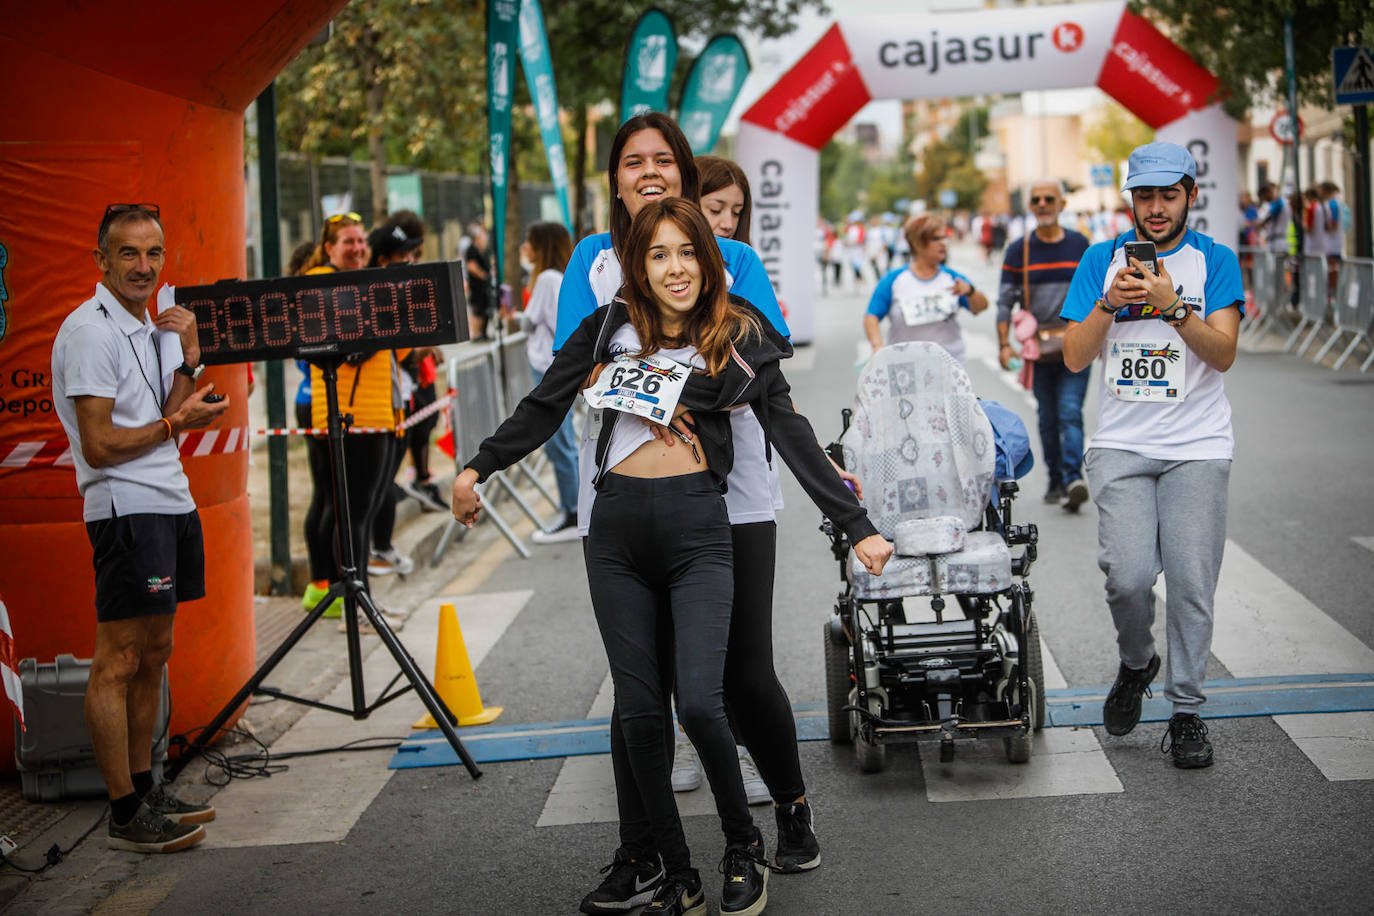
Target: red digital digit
[(386, 309), (349, 321), (274, 317), (206, 331), (314, 319), (238, 323), (422, 313)]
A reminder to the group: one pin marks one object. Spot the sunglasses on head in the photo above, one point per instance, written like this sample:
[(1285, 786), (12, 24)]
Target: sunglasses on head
[(114, 210), (338, 216), (1044, 200)]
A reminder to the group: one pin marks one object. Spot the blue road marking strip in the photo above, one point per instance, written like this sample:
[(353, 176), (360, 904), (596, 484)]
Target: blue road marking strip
[(1067, 707)]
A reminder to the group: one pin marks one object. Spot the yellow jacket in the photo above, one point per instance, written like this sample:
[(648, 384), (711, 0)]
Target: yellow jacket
[(371, 391)]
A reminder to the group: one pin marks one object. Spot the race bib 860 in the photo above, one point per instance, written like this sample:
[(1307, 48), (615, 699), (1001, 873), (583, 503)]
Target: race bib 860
[(1146, 370), (647, 387)]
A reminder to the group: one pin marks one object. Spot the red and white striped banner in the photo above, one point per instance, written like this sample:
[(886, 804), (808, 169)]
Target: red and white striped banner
[(9, 666), (58, 453)]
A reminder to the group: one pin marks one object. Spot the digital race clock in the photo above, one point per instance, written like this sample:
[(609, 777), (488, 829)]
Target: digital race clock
[(332, 314)]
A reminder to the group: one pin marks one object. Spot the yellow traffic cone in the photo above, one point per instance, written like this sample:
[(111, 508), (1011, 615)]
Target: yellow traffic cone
[(453, 678)]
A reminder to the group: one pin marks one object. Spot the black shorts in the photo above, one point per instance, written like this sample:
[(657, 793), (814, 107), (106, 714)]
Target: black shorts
[(146, 564)]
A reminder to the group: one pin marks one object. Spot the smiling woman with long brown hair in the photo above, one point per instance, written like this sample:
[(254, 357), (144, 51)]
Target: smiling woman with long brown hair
[(659, 533)]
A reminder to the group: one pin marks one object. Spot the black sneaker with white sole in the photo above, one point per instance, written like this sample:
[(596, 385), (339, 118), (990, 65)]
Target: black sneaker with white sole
[(148, 831), (1121, 712), (679, 895), (1187, 742), (629, 883), (798, 849), (566, 530), (177, 810), (745, 891)]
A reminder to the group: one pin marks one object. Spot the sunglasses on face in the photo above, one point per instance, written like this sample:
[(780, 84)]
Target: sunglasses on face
[(1044, 200)]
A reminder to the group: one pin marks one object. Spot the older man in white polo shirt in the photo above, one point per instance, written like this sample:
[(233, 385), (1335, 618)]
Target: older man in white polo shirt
[(122, 413)]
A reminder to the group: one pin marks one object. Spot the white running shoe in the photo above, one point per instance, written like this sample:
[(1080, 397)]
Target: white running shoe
[(686, 767), (754, 789), (391, 560)]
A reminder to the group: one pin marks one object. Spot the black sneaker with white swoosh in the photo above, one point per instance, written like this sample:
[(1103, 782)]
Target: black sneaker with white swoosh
[(629, 883)]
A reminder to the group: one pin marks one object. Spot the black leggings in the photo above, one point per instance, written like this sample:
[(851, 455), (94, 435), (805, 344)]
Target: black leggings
[(319, 541), (659, 562), (416, 439), (367, 458), (759, 707)]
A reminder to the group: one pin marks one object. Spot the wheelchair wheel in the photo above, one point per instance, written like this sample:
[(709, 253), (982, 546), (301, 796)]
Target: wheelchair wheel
[(872, 758), (1035, 670), (836, 683), (1018, 748)]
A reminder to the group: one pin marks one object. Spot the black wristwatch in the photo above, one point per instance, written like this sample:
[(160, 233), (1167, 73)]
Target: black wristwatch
[(1177, 315), (190, 371)]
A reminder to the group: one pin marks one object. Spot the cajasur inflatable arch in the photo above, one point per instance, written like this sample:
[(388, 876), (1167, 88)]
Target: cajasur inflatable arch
[(946, 55)]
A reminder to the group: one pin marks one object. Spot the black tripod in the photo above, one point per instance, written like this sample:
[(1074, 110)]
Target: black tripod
[(354, 593)]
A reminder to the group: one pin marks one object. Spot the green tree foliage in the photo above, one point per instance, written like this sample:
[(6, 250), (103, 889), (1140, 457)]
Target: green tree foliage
[(1114, 133), (394, 83), (948, 164), (1242, 42)]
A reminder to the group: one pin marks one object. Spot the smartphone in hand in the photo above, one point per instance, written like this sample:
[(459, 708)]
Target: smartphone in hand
[(1144, 252)]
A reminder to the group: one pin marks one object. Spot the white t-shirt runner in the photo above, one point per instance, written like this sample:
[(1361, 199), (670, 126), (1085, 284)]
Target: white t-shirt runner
[(921, 309), (1158, 399)]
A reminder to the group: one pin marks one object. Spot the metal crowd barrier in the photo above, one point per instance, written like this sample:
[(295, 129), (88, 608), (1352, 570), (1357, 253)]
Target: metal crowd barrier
[(518, 383), (474, 414), (1354, 311), (1269, 290), (1314, 303)]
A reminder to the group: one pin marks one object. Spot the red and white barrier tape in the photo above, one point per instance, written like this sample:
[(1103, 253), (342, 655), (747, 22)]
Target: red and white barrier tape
[(195, 444), (423, 413)]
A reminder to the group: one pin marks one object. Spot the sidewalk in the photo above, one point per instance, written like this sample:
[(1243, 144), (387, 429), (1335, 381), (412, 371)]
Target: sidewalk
[(316, 668)]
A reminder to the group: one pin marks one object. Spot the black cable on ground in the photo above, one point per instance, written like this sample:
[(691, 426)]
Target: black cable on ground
[(55, 853), (221, 768)]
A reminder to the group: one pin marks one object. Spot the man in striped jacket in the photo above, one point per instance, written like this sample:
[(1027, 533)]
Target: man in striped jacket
[(1036, 272)]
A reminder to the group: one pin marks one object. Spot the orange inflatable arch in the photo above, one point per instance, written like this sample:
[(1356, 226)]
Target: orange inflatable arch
[(111, 103)]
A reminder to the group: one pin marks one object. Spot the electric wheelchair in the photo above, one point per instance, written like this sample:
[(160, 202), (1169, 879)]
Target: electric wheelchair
[(902, 662)]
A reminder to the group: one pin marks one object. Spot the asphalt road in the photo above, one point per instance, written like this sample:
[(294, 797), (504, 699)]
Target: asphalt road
[(1094, 824)]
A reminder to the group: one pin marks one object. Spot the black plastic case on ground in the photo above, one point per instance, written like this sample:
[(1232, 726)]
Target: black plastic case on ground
[(54, 755)]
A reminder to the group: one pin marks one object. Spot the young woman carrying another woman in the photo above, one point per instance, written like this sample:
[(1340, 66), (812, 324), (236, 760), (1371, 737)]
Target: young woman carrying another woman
[(650, 160), (659, 534)]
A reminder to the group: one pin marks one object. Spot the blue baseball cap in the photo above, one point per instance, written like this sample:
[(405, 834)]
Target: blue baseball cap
[(1158, 165)]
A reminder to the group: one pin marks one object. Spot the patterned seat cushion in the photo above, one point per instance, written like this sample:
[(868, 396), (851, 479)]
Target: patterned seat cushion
[(903, 577), (940, 534), (981, 568)]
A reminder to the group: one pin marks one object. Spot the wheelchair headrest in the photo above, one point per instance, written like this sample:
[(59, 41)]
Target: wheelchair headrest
[(919, 441)]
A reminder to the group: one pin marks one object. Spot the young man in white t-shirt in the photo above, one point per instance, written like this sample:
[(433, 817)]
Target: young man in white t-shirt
[(1160, 460)]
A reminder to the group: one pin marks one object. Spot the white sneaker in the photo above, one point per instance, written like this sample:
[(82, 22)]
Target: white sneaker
[(391, 560), (686, 767), (754, 789), (566, 531)]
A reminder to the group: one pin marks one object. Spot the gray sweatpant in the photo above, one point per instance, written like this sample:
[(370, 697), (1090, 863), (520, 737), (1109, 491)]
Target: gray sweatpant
[(1167, 516)]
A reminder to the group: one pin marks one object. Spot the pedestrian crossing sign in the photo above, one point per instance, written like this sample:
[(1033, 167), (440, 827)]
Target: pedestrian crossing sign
[(1353, 72)]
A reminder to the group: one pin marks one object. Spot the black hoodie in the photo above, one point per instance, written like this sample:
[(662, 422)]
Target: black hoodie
[(753, 375)]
